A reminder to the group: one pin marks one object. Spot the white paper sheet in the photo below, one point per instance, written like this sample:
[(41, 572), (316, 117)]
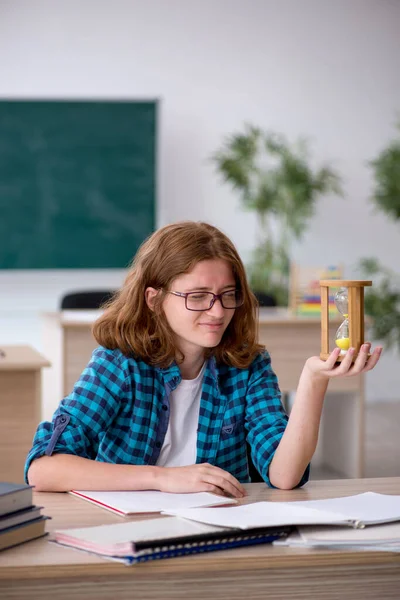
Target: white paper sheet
[(369, 508), (258, 514), (127, 503), (352, 510)]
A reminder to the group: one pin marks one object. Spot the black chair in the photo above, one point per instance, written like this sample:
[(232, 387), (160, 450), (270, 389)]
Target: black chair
[(264, 299), (255, 476), (86, 300)]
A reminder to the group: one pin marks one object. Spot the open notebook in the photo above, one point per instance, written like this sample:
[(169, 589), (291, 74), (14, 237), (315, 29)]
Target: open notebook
[(357, 511), (151, 539), (129, 503)]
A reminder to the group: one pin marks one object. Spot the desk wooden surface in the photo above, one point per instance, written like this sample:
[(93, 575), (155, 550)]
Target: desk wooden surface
[(41, 569), (21, 358)]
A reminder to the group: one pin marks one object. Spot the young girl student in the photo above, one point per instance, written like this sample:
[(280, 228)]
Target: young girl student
[(179, 383)]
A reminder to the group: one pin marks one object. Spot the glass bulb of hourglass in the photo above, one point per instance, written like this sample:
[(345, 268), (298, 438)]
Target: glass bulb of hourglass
[(342, 338), (342, 302)]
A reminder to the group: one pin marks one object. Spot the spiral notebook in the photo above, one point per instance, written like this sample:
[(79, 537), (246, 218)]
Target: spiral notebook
[(140, 541)]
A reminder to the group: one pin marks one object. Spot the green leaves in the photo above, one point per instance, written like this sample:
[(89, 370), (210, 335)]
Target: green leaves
[(370, 266), (386, 169), (275, 180), (382, 302), (236, 160)]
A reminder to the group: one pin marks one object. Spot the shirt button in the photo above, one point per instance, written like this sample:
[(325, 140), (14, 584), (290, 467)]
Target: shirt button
[(158, 444), (164, 407)]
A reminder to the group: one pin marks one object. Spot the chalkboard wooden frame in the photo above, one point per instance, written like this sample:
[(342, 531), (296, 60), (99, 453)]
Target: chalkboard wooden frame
[(77, 182)]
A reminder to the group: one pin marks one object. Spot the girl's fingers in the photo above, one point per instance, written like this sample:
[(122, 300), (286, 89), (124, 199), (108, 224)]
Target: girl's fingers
[(223, 484), (362, 362), (345, 365), (331, 361), (373, 359), (213, 489), (230, 480), (361, 359)]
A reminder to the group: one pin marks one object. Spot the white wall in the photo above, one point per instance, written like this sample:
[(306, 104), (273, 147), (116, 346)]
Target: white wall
[(329, 70)]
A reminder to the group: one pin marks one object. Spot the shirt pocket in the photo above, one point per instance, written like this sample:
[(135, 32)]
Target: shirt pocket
[(231, 429)]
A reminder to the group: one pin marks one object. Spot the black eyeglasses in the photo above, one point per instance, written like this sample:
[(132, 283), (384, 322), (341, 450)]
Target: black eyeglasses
[(198, 301)]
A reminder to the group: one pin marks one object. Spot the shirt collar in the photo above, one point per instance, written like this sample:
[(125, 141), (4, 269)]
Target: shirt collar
[(172, 375), (212, 366)]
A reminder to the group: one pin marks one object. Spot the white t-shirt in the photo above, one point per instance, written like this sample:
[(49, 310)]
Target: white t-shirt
[(180, 443)]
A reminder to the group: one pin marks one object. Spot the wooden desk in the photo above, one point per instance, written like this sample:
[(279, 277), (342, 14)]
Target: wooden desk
[(39, 569), (68, 341), (20, 407)]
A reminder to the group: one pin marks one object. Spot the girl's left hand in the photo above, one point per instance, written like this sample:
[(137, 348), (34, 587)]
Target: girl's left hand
[(329, 368)]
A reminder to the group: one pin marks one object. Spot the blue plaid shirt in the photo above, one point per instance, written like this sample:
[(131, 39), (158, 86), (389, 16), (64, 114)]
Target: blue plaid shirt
[(118, 412)]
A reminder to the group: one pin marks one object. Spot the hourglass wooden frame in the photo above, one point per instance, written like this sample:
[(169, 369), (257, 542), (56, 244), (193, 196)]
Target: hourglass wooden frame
[(355, 298)]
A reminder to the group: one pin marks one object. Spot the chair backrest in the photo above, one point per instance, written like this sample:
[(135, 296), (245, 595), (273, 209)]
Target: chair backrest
[(265, 299), (255, 476), (86, 300)]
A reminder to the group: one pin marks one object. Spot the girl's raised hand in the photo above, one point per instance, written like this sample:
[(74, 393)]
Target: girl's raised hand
[(330, 368)]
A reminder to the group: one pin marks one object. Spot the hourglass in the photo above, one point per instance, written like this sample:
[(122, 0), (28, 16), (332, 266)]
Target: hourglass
[(349, 301)]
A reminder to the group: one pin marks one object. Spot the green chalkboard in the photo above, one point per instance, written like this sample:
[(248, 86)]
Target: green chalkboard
[(77, 182)]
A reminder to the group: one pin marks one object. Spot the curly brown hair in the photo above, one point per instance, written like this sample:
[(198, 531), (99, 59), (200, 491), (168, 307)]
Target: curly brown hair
[(129, 325)]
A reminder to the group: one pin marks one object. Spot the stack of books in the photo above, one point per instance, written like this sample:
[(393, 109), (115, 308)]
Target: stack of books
[(20, 520)]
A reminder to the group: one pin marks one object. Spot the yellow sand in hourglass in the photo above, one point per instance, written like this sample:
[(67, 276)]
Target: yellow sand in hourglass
[(342, 338)]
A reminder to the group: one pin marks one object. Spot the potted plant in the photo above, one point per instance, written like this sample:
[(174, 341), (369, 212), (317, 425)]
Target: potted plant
[(276, 180), (382, 302)]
